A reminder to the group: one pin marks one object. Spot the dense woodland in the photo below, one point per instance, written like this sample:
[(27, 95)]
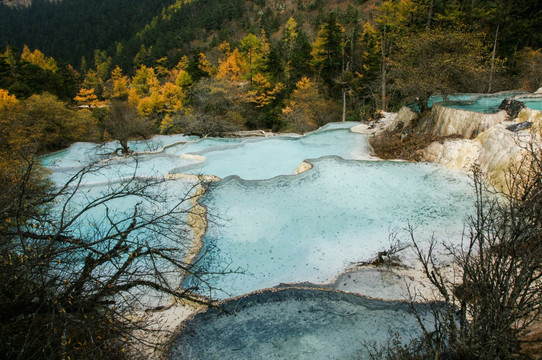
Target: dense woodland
[(208, 66), (78, 70)]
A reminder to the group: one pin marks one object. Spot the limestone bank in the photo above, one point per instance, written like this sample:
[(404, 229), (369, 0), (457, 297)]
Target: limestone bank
[(496, 142)]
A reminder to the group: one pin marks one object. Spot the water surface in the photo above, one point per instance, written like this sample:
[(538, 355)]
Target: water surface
[(312, 226), (296, 324)]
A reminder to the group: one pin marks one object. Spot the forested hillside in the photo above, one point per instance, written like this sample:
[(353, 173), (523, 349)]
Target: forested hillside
[(68, 30), (206, 66)]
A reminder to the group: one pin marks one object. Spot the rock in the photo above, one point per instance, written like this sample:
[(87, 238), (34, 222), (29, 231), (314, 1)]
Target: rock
[(501, 150), (519, 126), (512, 107), (445, 121), (404, 119), (460, 154), (539, 91), (375, 126), (495, 151), (304, 166), (534, 116)]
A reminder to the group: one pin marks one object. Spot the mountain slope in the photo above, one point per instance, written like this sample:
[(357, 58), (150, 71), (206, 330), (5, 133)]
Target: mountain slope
[(71, 29)]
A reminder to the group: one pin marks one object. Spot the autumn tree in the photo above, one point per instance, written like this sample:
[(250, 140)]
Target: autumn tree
[(262, 92), (87, 97), (289, 40), (144, 82), (233, 67), (173, 97), (36, 75), (145, 91), (36, 57), (529, 64), (96, 76), (50, 124), (439, 62), (254, 51), (200, 67), (14, 142), (118, 86), (7, 100), (183, 79), (124, 123), (307, 109)]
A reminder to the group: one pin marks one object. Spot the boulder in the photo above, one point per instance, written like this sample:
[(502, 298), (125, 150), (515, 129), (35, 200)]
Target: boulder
[(512, 107), (404, 119)]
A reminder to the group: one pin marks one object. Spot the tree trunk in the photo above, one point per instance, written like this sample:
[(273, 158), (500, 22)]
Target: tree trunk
[(383, 81), (430, 15), (493, 61), (344, 105)]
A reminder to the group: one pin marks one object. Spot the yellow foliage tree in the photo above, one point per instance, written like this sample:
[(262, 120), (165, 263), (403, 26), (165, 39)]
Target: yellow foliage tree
[(145, 81), (169, 98), (93, 81), (184, 79), (225, 48), (263, 93), (118, 85), (166, 124), (307, 108), (87, 97), (183, 63), (36, 57), (161, 67), (7, 101), (289, 37), (151, 104), (255, 51), (173, 97), (233, 67), (205, 65)]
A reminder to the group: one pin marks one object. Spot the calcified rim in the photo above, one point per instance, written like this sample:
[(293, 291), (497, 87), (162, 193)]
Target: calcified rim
[(279, 289)]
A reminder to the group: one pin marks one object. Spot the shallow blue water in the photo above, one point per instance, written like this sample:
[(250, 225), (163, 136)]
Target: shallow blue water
[(264, 158), (249, 158), (297, 324), (488, 104), (277, 227), (452, 97), (484, 104), (439, 98), (535, 104), (311, 227)]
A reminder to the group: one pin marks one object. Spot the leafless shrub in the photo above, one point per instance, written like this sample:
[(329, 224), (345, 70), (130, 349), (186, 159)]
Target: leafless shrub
[(498, 293), (78, 268)]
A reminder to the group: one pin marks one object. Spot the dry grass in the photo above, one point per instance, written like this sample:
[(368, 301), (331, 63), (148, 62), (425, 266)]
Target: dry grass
[(392, 145)]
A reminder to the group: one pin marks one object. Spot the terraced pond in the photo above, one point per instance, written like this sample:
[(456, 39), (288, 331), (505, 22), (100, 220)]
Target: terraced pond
[(277, 227)]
